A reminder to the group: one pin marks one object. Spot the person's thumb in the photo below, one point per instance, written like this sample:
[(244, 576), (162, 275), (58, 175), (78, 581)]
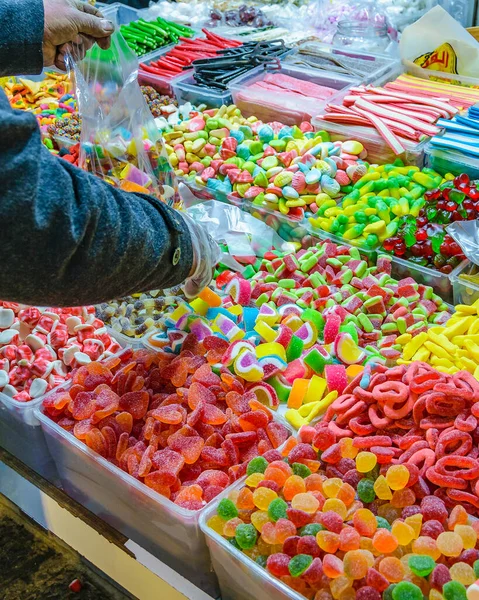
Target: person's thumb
[(94, 26)]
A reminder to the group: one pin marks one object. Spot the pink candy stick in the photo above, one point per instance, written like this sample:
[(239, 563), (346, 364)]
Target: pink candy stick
[(418, 99), (343, 118), (395, 116), (414, 113), (384, 131), (400, 129)]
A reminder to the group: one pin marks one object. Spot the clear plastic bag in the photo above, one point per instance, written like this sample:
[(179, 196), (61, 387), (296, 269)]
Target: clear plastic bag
[(120, 142), (466, 234)]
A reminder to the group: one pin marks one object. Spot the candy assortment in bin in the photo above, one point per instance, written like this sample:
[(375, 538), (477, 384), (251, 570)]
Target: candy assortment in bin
[(120, 142), (175, 422)]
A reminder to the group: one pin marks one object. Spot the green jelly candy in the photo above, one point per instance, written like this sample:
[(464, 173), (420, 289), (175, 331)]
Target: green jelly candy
[(476, 568), (301, 470), (246, 535), (257, 465), (227, 509), (234, 543), (453, 590), (277, 509), (261, 561), (421, 564), (316, 361), (294, 349), (311, 529), (388, 592), (405, 590), (299, 564), (366, 491), (383, 523)]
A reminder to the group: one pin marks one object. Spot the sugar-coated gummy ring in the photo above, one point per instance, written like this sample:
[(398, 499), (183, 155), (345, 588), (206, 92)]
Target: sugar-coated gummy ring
[(448, 440), (446, 481), (468, 468), (390, 390)]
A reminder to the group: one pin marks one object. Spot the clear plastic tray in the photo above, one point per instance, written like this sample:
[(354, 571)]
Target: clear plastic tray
[(377, 64), (22, 435), (120, 13), (369, 254), (186, 90), (203, 193), (290, 111), (448, 161), (441, 283), (240, 578), (466, 292), (125, 340), (161, 84), (291, 230), (168, 531)]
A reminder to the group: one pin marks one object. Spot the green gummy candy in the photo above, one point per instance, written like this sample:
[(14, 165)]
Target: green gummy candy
[(388, 592), (277, 509), (405, 590), (383, 523), (311, 529), (476, 568), (352, 330), (261, 561), (234, 543), (366, 491), (453, 590), (315, 360), (246, 535), (299, 564), (421, 564), (256, 465), (227, 509), (301, 470), (294, 349)]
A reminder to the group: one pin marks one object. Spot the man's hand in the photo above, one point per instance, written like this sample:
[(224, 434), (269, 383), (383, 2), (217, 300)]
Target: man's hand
[(71, 25)]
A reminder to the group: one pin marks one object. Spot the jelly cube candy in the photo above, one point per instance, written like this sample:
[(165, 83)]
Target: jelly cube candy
[(314, 573), (259, 519), (405, 590), (366, 461), (439, 576), (383, 524), (229, 528), (277, 509), (292, 486), (384, 541), (136, 403), (366, 492), (449, 543), (305, 502), (263, 497), (311, 529), (421, 565), (332, 566), (397, 477), (453, 590), (392, 569), (277, 564), (301, 470), (284, 530), (356, 563), (463, 573), (257, 465), (365, 522), (298, 517)]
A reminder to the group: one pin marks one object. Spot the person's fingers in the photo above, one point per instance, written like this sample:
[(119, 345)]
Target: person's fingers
[(104, 43), (88, 8), (93, 26)]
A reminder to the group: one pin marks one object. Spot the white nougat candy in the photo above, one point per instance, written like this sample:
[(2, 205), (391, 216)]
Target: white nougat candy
[(7, 317), (34, 341), (7, 335), (82, 358), (38, 388), (3, 379)]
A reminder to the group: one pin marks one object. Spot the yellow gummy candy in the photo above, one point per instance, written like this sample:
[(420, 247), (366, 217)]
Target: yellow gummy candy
[(271, 349), (316, 389), (413, 346)]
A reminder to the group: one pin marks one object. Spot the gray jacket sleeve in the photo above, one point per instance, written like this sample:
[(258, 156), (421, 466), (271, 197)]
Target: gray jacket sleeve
[(21, 37), (66, 237)]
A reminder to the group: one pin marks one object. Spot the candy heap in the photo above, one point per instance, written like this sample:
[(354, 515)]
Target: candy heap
[(377, 537), (402, 110), (450, 348), (370, 213), (145, 36), (39, 348), (293, 317), (170, 421), (422, 239), (283, 168), (134, 315), (412, 415), (175, 60)]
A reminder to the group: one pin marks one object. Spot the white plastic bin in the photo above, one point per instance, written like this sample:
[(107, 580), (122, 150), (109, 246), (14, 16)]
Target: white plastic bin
[(167, 531), (240, 578)]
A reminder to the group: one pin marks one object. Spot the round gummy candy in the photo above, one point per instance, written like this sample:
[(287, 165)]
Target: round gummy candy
[(261, 561), (227, 509), (257, 465), (277, 509), (245, 536), (453, 590), (388, 592), (405, 590), (277, 564), (421, 564), (313, 528), (366, 491), (301, 470), (383, 523), (299, 564)]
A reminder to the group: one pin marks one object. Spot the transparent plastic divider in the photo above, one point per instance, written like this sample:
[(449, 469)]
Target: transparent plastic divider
[(121, 13), (464, 291), (21, 433), (266, 105), (288, 228), (186, 89), (240, 577), (448, 161)]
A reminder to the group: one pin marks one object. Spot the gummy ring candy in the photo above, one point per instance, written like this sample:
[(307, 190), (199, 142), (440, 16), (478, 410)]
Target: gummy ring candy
[(425, 456), (468, 468), (361, 425), (405, 442), (438, 404), (338, 432), (474, 453), (419, 445), (448, 481), (373, 440), (448, 443), (393, 411), (426, 381), (432, 437), (377, 379), (419, 411), (396, 373), (384, 455), (405, 423), (465, 422), (459, 496), (393, 392), (354, 411), (436, 422), (343, 403), (361, 394), (376, 420)]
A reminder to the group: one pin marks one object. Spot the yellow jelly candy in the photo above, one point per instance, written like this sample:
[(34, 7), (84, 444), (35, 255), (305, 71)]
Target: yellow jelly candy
[(366, 461), (397, 477)]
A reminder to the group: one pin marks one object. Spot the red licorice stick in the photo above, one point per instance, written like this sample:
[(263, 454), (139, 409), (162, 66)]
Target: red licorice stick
[(227, 43), (167, 65), (339, 109), (156, 71), (417, 99), (381, 111), (384, 131)]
